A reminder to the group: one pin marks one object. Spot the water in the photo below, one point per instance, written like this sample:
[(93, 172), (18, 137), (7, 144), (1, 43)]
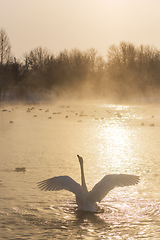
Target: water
[(110, 138)]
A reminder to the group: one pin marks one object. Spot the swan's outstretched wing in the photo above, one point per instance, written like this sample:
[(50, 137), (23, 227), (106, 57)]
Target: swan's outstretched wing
[(60, 183), (107, 183)]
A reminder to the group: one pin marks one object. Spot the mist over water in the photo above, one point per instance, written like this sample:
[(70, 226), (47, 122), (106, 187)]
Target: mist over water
[(106, 109), (46, 138), (128, 74)]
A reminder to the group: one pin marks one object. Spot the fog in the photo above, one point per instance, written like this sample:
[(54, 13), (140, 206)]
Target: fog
[(129, 74)]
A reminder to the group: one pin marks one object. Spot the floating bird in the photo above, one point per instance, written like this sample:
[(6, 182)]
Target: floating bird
[(87, 200), (20, 169)]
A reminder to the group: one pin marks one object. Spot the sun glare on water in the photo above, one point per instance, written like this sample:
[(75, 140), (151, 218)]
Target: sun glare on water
[(116, 144)]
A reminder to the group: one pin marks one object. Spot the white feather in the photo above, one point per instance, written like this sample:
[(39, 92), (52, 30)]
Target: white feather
[(109, 182), (87, 201), (61, 183)]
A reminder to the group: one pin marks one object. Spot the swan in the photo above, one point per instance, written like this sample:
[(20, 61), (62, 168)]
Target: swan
[(87, 200)]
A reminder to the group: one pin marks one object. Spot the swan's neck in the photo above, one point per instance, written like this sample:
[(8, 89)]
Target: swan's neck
[(84, 186)]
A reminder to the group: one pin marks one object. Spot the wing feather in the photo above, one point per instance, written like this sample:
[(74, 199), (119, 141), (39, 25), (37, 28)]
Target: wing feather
[(61, 183), (109, 182)]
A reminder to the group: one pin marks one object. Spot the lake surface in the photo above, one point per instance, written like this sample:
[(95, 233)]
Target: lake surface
[(45, 139)]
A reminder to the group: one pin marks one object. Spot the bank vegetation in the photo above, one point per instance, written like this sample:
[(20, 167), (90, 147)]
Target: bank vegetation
[(127, 73)]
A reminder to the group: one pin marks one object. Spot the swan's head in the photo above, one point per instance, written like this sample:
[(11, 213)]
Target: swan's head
[(80, 159)]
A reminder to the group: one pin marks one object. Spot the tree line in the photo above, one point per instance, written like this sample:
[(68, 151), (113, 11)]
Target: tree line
[(128, 72)]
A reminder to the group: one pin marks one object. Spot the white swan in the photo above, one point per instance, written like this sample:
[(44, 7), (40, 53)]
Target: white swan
[(87, 201)]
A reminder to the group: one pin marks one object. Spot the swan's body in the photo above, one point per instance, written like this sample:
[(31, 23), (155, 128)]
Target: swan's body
[(87, 200)]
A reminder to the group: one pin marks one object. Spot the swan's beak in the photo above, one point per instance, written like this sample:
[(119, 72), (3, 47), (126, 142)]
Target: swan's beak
[(80, 159)]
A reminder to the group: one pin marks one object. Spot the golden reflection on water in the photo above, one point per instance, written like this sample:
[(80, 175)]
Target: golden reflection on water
[(46, 148), (116, 142)]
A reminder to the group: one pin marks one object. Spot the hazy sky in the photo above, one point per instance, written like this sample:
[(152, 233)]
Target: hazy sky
[(83, 24)]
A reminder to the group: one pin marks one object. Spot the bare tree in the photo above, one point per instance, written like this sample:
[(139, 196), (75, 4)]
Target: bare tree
[(5, 47), (37, 58)]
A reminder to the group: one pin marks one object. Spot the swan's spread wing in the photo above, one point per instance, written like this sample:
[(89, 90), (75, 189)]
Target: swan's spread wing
[(60, 183), (107, 183)]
